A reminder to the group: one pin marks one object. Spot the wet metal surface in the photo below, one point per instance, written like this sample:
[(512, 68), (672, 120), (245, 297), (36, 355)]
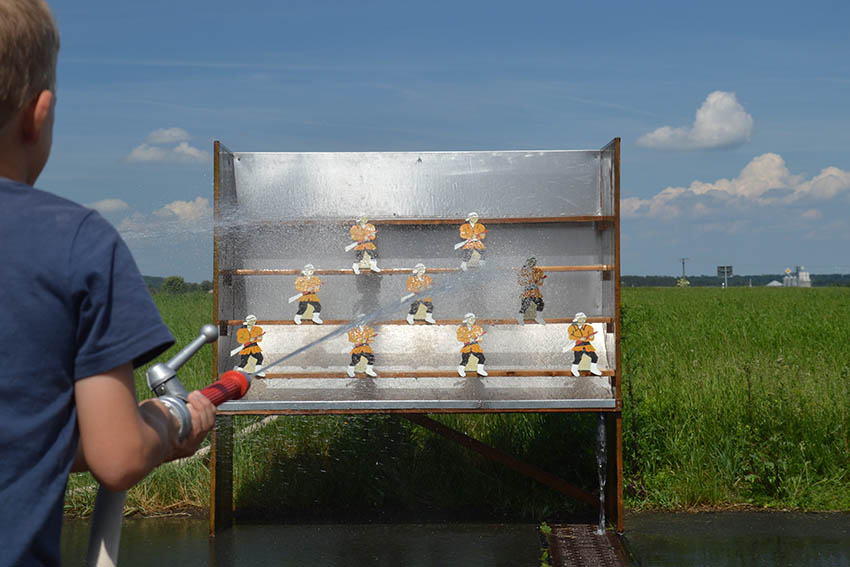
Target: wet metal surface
[(579, 545), (495, 392), (416, 350)]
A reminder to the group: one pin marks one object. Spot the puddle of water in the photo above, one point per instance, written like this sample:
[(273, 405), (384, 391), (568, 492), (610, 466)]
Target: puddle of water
[(723, 539), (740, 539), (175, 542)]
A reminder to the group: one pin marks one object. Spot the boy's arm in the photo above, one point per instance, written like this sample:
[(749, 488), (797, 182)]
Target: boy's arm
[(121, 441)]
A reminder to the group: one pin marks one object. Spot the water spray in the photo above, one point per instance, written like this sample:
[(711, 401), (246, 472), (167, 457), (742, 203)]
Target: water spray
[(448, 284)]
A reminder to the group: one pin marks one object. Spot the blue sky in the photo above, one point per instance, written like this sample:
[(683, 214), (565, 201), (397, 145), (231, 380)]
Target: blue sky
[(755, 92)]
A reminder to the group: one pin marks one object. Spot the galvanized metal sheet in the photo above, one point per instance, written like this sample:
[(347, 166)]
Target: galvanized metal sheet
[(420, 185), (284, 210)]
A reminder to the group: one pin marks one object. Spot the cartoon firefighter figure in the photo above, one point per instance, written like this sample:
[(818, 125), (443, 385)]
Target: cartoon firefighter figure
[(418, 283), (581, 334), (250, 354), (362, 337), (472, 247), (363, 235), (531, 278), (470, 335), (307, 285)]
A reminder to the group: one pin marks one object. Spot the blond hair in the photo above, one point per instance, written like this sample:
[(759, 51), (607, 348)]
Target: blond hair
[(29, 45)]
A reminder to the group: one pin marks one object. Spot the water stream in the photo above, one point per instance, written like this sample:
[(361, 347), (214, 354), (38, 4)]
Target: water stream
[(447, 284), (602, 469)]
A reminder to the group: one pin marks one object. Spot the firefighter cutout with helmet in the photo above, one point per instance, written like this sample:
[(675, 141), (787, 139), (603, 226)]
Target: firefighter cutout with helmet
[(472, 247), (250, 354), (421, 307), (307, 285), (469, 333), (531, 278), (363, 235), (362, 337), (581, 336)]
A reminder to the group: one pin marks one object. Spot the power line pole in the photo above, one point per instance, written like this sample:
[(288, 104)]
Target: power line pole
[(683, 266)]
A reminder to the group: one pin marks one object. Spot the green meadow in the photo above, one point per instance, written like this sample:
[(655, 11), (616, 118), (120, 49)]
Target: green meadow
[(731, 397)]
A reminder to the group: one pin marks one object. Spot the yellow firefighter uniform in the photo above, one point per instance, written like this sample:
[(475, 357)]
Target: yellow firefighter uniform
[(582, 336), (364, 235), (470, 334), (361, 337), (309, 286), (243, 336), (415, 285), (469, 231)]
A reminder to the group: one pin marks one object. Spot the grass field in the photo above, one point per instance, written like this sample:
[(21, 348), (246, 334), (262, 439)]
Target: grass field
[(731, 397), (737, 396)]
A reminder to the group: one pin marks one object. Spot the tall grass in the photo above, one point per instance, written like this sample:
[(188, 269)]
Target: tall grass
[(735, 396)]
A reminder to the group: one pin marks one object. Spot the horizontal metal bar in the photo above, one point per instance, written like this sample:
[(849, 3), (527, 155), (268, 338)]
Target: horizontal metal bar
[(421, 405), (431, 374), (552, 321), (436, 221), (394, 271)]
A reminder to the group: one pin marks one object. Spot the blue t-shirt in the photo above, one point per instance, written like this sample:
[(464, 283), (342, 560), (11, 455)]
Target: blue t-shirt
[(72, 305)]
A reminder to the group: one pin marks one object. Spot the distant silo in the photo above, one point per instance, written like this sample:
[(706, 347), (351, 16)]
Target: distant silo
[(798, 278)]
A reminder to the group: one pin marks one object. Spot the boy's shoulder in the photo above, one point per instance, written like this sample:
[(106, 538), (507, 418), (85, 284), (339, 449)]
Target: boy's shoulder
[(25, 204), (17, 192), (41, 217)]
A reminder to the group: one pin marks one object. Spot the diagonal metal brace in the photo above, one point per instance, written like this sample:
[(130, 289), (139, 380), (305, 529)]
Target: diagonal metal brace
[(510, 462)]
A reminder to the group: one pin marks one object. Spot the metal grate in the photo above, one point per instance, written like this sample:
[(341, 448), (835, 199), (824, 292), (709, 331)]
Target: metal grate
[(578, 545)]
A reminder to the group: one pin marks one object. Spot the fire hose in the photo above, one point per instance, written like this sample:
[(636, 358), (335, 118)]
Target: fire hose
[(105, 533)]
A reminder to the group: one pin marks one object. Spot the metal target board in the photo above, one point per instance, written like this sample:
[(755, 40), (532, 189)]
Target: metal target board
[(292, 231)]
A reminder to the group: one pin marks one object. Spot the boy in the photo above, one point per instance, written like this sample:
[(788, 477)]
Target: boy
[(75, 318)]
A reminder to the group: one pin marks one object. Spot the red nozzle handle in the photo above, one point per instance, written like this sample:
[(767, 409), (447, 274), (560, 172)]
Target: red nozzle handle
[(231, 386)]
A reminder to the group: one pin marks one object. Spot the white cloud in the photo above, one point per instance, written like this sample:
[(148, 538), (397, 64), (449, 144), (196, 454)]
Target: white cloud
[(145, 152), (629, 206), (764, 181), (107, 206), (812, 214), (827, 184), (720, 122), (186, 212), (187, 153), (158, 147), (168, 136), (173, 220)]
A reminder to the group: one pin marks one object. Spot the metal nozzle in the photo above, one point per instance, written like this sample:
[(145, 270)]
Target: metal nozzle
[(160, 376)]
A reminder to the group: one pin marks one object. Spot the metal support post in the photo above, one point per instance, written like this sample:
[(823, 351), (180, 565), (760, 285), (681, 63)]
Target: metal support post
[(221, 479)]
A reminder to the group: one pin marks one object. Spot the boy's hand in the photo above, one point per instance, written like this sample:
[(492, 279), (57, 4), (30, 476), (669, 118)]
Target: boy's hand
[(203, 419)]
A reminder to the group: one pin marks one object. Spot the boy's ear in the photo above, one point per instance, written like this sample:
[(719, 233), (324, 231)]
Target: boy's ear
[(36, 116)]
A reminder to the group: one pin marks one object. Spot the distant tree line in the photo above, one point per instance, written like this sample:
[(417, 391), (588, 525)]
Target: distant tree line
[(175, 284), (818, 280)]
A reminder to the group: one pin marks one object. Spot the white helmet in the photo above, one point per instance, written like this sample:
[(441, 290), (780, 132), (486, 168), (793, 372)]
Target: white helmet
[(250, 319), (419, 268), (363, 219), (472, 215), (469, 317), (580, 318), (308, 268)]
